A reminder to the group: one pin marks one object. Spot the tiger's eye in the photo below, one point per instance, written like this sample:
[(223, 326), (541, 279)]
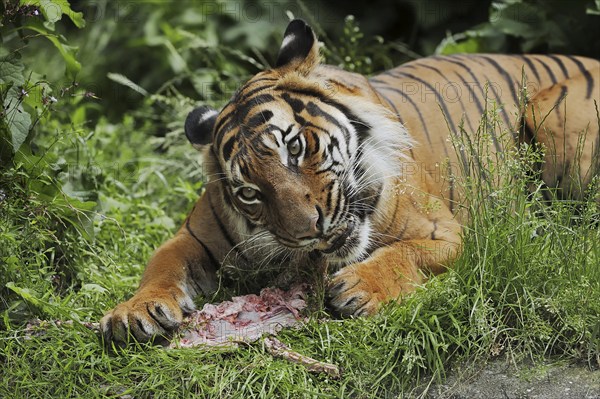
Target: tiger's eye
[(248, 193), (294, 147)]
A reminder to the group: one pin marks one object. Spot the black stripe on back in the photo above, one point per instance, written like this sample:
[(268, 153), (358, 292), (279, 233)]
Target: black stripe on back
[(480, 108), (410, 100), (437, 95), (588, 76), (441, 102), (560, 64), (509, 82), (531, 66), (491, 86), (548, 70), (391, 104), (441, 74)]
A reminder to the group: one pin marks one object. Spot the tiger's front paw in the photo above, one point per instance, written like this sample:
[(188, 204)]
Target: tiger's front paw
[(149, 314), (354, 291), (360, 289)]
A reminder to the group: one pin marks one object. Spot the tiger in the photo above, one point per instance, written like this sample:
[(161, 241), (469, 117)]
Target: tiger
[(310, 164)]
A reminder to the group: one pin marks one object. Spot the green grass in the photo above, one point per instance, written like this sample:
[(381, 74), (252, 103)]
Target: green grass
[(80, 217), (527, 285)]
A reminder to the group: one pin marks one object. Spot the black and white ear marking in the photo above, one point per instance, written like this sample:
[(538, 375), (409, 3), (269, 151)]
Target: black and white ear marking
[(199, 125), (298, 41)]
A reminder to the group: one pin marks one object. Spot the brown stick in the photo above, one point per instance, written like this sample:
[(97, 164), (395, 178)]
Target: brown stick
[(278, 349)]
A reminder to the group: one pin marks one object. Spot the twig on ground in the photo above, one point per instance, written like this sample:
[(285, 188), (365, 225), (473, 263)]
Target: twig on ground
[(278, 349)]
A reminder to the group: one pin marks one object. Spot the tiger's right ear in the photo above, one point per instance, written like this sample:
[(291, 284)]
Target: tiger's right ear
[(199, 126), (299, 49)]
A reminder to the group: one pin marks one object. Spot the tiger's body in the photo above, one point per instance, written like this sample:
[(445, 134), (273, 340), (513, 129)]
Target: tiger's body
[(313, 164), (529, 88)]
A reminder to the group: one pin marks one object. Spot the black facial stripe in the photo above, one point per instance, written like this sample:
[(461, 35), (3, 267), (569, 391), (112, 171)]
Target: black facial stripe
[(259, 119), (241, 97), (244, 169), (222, 128), (224, 118), (305, 151), (338, 204), (314, 110), (260, 148), (244, 109), (228, 148), (336, 144), (295, 103), (329, 189), (287, 131), (317, 142), (328, 169)]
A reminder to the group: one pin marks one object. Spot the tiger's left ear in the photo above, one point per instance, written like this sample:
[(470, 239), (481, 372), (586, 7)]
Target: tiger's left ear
[(199, 126), (299, 49)]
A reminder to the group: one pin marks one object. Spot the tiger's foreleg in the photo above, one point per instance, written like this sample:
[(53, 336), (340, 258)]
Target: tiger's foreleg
[(176, 272), (429, 245)]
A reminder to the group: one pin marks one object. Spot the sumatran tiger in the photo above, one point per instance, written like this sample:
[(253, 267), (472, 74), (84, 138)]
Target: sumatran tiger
[(310, 162)]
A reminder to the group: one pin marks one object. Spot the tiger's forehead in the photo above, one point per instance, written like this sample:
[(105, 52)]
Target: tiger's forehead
[(265, 114)]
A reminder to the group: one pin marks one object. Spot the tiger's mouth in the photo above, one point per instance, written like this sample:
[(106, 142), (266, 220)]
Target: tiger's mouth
[(345, 243)]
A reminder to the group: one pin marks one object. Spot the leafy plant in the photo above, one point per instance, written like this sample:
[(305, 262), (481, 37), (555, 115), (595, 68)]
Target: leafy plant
[(531, 26)]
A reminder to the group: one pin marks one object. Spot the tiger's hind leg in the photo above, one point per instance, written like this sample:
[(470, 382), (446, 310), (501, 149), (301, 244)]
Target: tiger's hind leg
[(564, 119)]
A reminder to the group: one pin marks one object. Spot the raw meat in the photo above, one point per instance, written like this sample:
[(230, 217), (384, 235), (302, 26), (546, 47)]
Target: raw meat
[(243, 319)]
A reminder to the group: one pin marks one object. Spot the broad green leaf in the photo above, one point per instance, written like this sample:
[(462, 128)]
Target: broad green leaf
[(68, 52), (11, 70), (16, 122), (53, 10), (17, 119), (520, 19), (36, 94), (19, 125)]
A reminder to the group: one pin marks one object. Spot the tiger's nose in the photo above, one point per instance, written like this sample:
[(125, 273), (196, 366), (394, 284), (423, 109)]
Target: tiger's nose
[(313, 228)]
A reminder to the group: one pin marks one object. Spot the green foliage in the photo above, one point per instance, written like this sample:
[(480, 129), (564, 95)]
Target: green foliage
[(53, 11), (530, 26), (24, 93), (204, 51)]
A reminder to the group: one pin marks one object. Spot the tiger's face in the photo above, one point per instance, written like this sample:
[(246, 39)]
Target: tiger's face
[(286, 159), (295, 158)]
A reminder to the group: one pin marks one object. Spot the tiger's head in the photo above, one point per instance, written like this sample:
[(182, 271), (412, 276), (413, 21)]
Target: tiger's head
[(303, 151)]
